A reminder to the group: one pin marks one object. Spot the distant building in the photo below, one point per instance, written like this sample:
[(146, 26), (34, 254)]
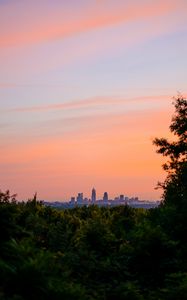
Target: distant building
[(86, 200), (121, 197), (116, 199), (72, 201), (93, 197), (105, 196), (80, 198)]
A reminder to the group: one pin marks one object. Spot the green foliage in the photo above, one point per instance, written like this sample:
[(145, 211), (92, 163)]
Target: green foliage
[(92, 253), (175, 185), (175, 150)]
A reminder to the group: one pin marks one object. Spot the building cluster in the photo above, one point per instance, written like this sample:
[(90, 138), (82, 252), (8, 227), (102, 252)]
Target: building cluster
[(80, 200), (105, 201)]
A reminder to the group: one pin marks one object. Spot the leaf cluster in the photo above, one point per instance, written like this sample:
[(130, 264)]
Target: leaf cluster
[(90, 252)]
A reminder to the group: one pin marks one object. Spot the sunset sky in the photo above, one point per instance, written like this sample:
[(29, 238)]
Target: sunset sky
[(85, 86)]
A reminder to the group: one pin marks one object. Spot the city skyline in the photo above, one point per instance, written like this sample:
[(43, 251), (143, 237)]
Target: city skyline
[(85, 87), (105, 196), (106, 201)]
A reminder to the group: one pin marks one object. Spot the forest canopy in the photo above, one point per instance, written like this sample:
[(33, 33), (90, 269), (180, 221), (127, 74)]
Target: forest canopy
[(99, 252)]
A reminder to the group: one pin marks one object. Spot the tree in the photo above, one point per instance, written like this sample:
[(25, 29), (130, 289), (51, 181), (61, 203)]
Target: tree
[(7, 197), (175, 185)]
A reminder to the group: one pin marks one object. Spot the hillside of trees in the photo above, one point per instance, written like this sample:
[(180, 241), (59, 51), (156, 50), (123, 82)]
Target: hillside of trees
[(93, 252)]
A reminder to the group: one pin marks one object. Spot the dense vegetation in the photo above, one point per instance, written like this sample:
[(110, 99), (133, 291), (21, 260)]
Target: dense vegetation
[(101, 253)]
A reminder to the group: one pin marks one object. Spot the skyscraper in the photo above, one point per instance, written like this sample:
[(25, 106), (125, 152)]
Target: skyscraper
[(93, 197), (105, 196), (79, 198)]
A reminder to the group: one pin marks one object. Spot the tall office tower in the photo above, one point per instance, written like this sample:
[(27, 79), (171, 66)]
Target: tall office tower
[(93, 197), (105, 196), (72, 201), (80, 198)]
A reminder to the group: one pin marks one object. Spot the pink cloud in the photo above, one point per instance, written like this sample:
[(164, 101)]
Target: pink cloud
[(7, 85), (36, 59), (107, 150), (95, 101), (32, 27), (101, 138)]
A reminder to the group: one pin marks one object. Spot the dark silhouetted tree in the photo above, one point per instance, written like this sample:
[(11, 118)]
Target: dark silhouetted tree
[(175, 185)]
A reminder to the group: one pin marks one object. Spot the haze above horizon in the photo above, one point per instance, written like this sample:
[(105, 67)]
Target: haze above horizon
[(85, 86)]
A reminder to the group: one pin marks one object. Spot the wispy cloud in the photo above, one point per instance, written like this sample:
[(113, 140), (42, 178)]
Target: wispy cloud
[(91, 102), (7, 85), (56, 25)]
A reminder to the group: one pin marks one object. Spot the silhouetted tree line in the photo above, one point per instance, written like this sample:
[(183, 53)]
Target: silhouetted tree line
[(101, 253)]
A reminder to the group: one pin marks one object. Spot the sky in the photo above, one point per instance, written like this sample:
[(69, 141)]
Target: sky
[(85, 86)]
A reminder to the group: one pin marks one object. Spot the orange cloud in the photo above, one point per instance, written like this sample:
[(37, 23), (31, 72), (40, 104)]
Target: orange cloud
[(106, 143), (34, 27), (114, 153)]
